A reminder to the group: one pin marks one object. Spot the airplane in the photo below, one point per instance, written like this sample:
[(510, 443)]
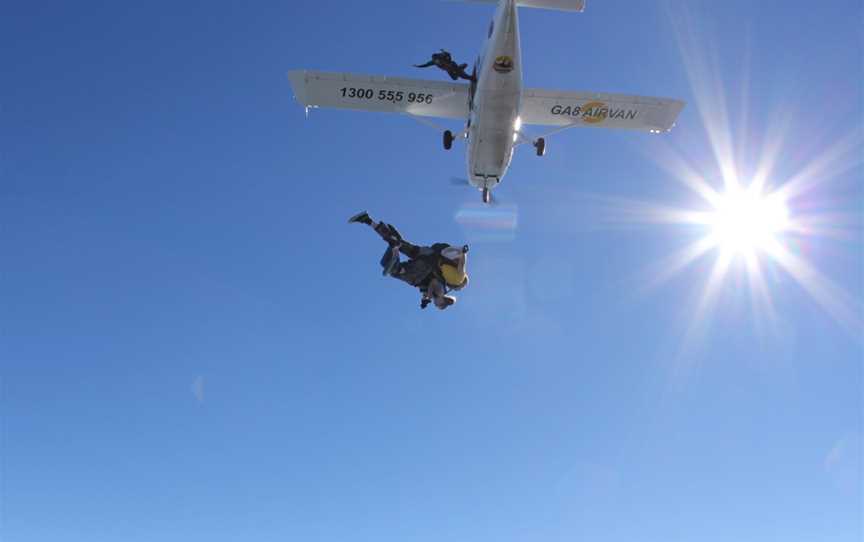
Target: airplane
[(494, 104)]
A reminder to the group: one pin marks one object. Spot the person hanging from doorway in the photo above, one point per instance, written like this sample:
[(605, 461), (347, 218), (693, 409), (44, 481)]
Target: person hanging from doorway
[(444, 61)]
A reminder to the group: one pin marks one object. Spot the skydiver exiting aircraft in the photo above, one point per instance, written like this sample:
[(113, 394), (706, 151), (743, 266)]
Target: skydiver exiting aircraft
[(435, 269), (445, 61), (496, 107)]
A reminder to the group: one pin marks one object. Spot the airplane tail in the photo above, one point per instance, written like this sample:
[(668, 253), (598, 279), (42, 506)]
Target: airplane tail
[(557, 5)]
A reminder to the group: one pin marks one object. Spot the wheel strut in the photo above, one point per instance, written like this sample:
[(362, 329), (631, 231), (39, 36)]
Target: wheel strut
[(540, 145), (448, 139)]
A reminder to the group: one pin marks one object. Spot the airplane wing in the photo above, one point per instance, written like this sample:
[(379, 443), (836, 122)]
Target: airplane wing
[(380, 93), (591, 109)]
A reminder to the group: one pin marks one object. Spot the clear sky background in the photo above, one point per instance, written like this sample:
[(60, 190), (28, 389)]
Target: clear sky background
[(196, 346)]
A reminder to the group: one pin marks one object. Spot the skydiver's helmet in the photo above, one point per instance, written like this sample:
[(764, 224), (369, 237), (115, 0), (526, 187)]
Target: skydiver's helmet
[(454, 267)]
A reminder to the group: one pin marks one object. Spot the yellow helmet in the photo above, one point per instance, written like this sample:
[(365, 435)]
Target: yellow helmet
[(452, 276)]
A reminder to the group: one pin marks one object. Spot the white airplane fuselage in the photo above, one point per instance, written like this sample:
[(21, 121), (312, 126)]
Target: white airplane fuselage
[(496, 96), (497, 103)]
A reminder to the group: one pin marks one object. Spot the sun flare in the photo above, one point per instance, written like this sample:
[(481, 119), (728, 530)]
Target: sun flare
[(747, 221), (763, 211)]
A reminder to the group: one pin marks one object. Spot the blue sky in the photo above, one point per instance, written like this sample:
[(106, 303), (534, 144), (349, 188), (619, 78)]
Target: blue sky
[(196, 345)]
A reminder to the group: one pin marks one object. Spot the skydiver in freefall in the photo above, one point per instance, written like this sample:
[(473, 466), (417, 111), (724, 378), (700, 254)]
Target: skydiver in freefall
[(435, 270), (444, 61)]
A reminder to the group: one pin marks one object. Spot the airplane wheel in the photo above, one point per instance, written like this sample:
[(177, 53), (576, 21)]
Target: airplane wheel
[(541, 146), (448, 139), (487, 195)]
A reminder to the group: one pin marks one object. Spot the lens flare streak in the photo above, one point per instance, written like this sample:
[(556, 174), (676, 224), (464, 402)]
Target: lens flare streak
[(748, 215), (747, 227)]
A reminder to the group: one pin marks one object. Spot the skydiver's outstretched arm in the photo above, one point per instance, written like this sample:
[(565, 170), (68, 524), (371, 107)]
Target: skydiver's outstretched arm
[(406, 248), (388, 233), (426, 65)]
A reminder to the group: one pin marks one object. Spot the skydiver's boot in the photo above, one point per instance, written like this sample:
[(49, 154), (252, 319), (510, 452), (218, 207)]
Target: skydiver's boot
[(444, 301), (362, 218)]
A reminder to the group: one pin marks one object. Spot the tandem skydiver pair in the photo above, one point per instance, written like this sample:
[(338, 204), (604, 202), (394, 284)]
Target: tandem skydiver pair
[(435, 270)]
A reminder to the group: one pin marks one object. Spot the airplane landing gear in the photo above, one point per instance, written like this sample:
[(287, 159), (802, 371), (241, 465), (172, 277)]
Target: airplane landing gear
[(540, 145), (448, 139), (487, 195)]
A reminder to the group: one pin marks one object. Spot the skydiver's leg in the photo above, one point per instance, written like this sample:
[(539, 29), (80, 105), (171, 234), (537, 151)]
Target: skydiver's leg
[(408, 249), (435, 291), (463, 74), (425, 298)]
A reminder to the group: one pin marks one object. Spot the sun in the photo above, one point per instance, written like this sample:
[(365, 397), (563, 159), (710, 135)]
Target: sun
[(757, 225), (763, 212), (747, 221), (751, 225), (750, 232)]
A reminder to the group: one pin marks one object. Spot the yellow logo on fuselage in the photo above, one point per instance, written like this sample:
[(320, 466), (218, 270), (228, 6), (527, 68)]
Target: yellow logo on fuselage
[(594, 112), (503, 64)]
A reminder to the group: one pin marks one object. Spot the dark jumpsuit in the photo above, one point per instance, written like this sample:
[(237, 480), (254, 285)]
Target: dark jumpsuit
[(444, 61), (423, 264)]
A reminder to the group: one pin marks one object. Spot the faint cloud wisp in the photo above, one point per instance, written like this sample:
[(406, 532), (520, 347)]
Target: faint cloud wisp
[(843, 463), (197, 389)]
